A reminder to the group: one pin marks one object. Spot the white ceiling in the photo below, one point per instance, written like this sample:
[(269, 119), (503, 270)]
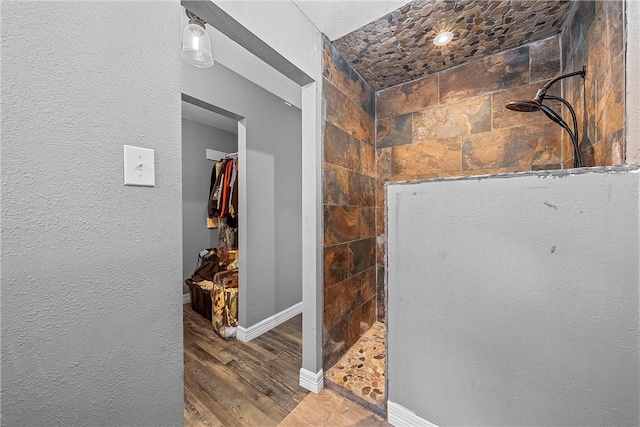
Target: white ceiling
[(335, 18), (209, 118)]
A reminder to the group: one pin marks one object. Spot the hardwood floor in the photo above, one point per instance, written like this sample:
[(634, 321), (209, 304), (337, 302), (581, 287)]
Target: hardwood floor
[(329, 409), (231, 383)]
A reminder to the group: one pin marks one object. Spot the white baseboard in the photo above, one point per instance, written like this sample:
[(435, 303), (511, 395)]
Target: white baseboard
[(186, 298), (399, 416), (247, 334), (314, 382)]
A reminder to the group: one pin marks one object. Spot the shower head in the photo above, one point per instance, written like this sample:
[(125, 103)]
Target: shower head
[(527, 106), (536, 104), (531, 106)]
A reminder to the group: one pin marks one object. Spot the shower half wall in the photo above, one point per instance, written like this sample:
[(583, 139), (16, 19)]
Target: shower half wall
[(525, 288)]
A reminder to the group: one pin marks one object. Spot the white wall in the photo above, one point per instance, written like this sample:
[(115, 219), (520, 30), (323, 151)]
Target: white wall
[(514, 300), (196, 173), (91, 313), (233, 56), (271, 264), (285, 28)]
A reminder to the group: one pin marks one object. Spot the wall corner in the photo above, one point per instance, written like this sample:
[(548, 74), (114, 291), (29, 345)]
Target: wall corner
[(314, 382), (632, 90)]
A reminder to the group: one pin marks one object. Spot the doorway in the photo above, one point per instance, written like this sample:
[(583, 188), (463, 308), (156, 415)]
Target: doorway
[(269, 201), (280, 73), (207, 138)]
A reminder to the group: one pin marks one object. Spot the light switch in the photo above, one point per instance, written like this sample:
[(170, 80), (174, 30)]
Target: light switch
[(139, 166)]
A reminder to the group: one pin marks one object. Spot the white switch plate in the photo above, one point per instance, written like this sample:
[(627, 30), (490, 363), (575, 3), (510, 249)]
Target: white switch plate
[(139, 168)]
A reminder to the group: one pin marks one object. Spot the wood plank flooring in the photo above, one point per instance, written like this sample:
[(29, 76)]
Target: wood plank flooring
[(231, 383), (329, 409)]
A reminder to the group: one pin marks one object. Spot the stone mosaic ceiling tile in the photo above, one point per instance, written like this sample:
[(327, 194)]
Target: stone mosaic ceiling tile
[(398, 48)]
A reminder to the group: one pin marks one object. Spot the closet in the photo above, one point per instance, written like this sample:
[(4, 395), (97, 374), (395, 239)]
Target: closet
[(213, 286), (210, 218), (222, 207), (268, 142)]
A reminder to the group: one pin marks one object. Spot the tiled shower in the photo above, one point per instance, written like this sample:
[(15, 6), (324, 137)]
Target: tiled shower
[(450, 122)]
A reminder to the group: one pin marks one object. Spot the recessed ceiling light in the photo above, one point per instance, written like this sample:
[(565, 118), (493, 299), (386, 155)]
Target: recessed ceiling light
[(443, 38)]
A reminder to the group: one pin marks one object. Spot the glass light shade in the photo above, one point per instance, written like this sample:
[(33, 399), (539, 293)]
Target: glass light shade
[(196, 46), (443, 38)]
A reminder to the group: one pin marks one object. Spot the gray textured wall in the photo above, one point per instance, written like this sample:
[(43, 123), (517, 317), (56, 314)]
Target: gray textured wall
[(514, 301), (275, 23), (272, 266), (91, 318), (196, 173)]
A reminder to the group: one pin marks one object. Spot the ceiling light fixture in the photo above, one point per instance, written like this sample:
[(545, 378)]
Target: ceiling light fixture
[(443, 38), (196, 44)]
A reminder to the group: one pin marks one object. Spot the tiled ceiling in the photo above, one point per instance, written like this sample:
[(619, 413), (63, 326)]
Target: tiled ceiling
[(398, 47)]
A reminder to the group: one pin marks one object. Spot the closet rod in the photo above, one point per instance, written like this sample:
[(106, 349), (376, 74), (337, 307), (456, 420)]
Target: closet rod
[(217, 156)]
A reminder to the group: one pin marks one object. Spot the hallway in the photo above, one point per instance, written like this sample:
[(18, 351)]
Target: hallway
[(231, 383)]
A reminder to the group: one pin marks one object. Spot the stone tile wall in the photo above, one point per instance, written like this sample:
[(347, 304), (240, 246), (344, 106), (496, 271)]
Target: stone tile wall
[(349, 206), (455, 123), (594, 36), (452, 123)]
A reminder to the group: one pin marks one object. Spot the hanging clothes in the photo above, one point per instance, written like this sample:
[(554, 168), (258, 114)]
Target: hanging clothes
[(214, 190), (223, 191), (233, 204), (212, 219)]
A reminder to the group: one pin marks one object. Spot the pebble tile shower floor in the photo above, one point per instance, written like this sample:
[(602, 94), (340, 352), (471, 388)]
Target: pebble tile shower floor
[(362, 369)]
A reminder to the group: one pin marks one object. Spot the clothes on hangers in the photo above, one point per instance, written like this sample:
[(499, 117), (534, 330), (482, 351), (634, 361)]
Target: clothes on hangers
[(225, 190), (214, 189), (223, 193), (233, 203)]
